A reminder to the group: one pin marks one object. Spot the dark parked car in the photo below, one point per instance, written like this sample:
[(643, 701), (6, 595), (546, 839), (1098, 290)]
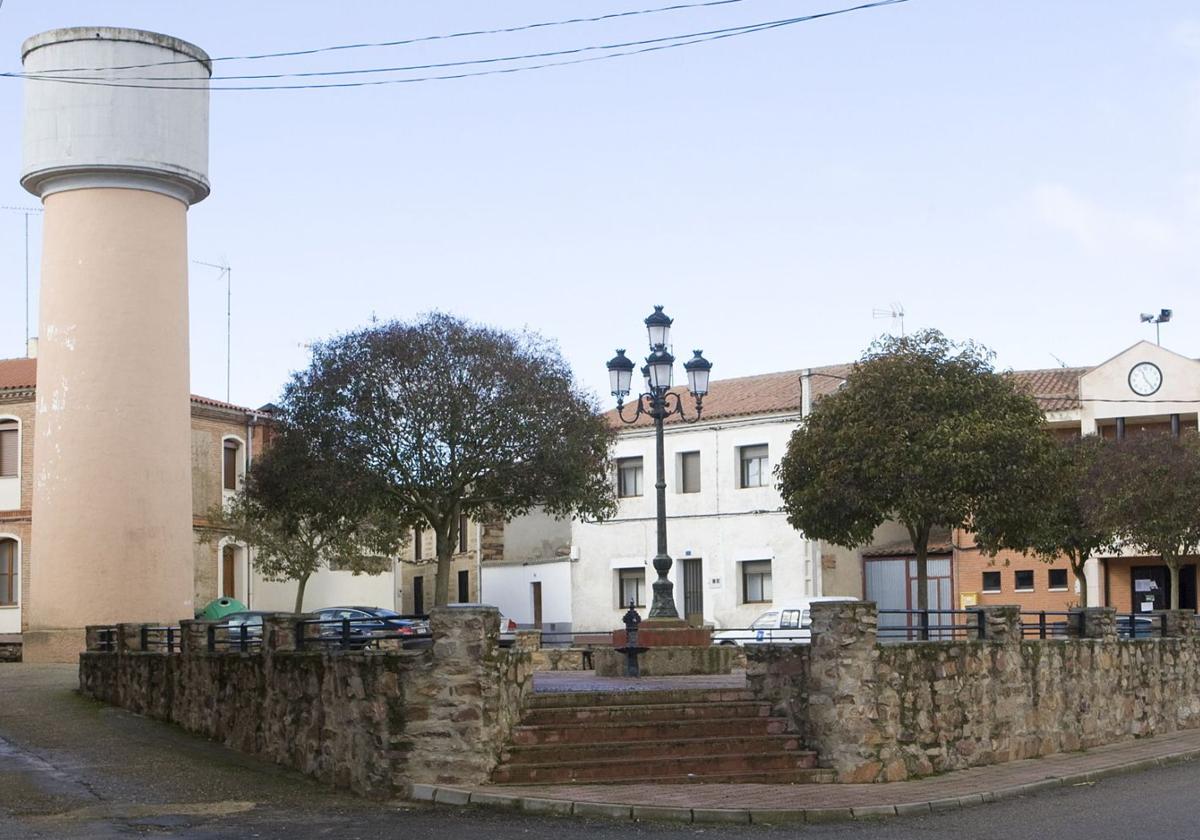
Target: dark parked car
[(370, 623), (242, 626)]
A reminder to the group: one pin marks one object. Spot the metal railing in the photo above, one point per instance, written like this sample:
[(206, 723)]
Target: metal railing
[(931, 625), (106, 640), (161, 639), (364, 633), (1051, 625), (240, 638), (1141, 626)]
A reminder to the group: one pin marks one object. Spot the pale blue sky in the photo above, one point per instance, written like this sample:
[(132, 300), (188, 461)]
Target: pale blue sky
[(1021, 172)]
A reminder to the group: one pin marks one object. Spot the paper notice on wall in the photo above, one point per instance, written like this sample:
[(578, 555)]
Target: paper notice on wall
[(1144, 585), (1148, 606)]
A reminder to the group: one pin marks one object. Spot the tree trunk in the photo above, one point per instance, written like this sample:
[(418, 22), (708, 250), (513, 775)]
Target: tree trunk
[(1173, 568), (920, 541), (1078, 568), (300, 584), (445, 554)]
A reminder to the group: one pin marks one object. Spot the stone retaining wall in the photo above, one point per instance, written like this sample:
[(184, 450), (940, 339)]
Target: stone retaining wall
[(372, 722), (886, 712)]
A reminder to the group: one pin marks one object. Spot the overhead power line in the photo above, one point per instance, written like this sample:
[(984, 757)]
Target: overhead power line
[(416, 40), (644, 46)]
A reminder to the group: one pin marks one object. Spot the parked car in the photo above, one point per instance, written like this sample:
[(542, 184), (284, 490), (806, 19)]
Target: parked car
[(367, 623), (246, 624), (1137, 627), (788, 624)]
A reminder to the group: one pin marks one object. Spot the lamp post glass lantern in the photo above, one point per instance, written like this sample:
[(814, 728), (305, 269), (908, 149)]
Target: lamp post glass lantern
[(659, 402)]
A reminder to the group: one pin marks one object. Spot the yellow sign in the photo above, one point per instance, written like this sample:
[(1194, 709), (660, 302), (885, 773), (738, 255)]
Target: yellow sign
[(968, 599)]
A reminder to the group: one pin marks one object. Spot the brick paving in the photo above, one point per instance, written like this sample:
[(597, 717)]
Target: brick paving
[(582, 681), (758, 802)]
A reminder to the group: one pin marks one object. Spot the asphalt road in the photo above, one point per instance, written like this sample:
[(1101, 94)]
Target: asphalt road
[(70, 768)]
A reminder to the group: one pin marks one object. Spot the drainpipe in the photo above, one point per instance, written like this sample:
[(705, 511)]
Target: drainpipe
[(251, 422), (1120, 428), (1175, 425), (812, 578)]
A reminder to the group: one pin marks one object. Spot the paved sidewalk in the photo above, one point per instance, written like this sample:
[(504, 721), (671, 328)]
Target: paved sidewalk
[(760, 803)]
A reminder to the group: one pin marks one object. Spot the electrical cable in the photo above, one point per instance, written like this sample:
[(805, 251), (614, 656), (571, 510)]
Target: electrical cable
[(415, 40), (656, 44)]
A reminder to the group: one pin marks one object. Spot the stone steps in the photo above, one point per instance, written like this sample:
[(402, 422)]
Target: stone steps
[(711, 746), (663, 737), (558, 715), (560, 699), (663, 767)]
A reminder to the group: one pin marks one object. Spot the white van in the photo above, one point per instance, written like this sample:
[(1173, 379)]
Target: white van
[(789, 624)]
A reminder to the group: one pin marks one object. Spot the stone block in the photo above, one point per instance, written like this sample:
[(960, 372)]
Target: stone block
[(662, 813), (603, 810), (537, 805), (721, 816)]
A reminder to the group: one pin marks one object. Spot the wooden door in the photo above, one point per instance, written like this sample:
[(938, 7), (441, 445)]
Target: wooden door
[(228, 571), (536, 587), (693, 590)]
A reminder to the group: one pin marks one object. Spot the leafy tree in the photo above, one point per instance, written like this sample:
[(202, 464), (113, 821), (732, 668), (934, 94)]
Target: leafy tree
[(1063, 520), (440, 417), (923, 432), (1149, 494), (300, 512)]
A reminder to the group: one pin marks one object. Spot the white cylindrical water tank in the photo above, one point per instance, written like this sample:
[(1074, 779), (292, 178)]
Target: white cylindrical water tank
[(116, 146)]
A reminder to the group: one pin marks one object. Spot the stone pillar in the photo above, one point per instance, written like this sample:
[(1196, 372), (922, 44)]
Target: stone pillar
[(1178, 624), (463, 632), (841, 688), (528, 640), (1000, 624), (1096, 623), (129, 637), (279, 631), (193, 636)]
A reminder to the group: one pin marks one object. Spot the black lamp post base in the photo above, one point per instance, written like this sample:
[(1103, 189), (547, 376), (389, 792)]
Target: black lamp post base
[(662, 608)]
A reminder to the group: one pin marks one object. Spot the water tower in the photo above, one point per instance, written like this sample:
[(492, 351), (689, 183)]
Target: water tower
[(117, 153)]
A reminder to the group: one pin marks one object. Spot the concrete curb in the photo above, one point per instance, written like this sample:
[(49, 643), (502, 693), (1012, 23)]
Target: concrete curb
[(772, 816)]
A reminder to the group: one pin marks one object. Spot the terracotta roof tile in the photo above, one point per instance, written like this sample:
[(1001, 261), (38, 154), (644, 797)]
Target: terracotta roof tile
[(1055, 389), (939, 543), (21, 374), (766, 393)]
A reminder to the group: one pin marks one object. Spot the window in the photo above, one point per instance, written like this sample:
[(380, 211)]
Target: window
[(1023, 580), (753, 460), (756, 582), (462, 533), (991, 581), (8, 573), (10, 450), (417, 540), (790, 620), (629, 477), (464, 586), (1058, 579), (418, 595), (689, 472), (766, 621), (230, 469), (631, 587)]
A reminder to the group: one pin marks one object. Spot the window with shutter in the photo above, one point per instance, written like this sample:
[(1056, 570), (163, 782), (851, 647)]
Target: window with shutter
[(8, 573), (10, 450), (231, 465)]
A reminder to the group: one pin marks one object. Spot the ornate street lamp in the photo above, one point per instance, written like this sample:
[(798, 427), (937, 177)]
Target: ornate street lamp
[(659, 401)]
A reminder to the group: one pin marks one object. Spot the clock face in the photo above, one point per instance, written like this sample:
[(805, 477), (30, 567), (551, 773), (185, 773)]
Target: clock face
[(1145, 378)]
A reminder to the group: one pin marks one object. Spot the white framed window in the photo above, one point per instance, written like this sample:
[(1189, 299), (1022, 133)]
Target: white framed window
[(631, 587), (1023, 580), (689, 472), (753, 466), (629, 477), (991, 582), (10, 448), (233, 464), (10, 572), (756, 582)]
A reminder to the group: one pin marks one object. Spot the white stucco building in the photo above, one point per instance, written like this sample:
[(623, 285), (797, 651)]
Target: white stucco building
[(735, 553)]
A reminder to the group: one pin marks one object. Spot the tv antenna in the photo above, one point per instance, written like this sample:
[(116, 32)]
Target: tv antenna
[(28, 211), (227, 272), (1163, 316), (1061, 363), (895, 311)]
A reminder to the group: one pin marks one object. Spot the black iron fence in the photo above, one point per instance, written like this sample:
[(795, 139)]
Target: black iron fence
[(1051, 625), (1141, 626), (161, 639), (228, 638), (930, 625), (364, 633)]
